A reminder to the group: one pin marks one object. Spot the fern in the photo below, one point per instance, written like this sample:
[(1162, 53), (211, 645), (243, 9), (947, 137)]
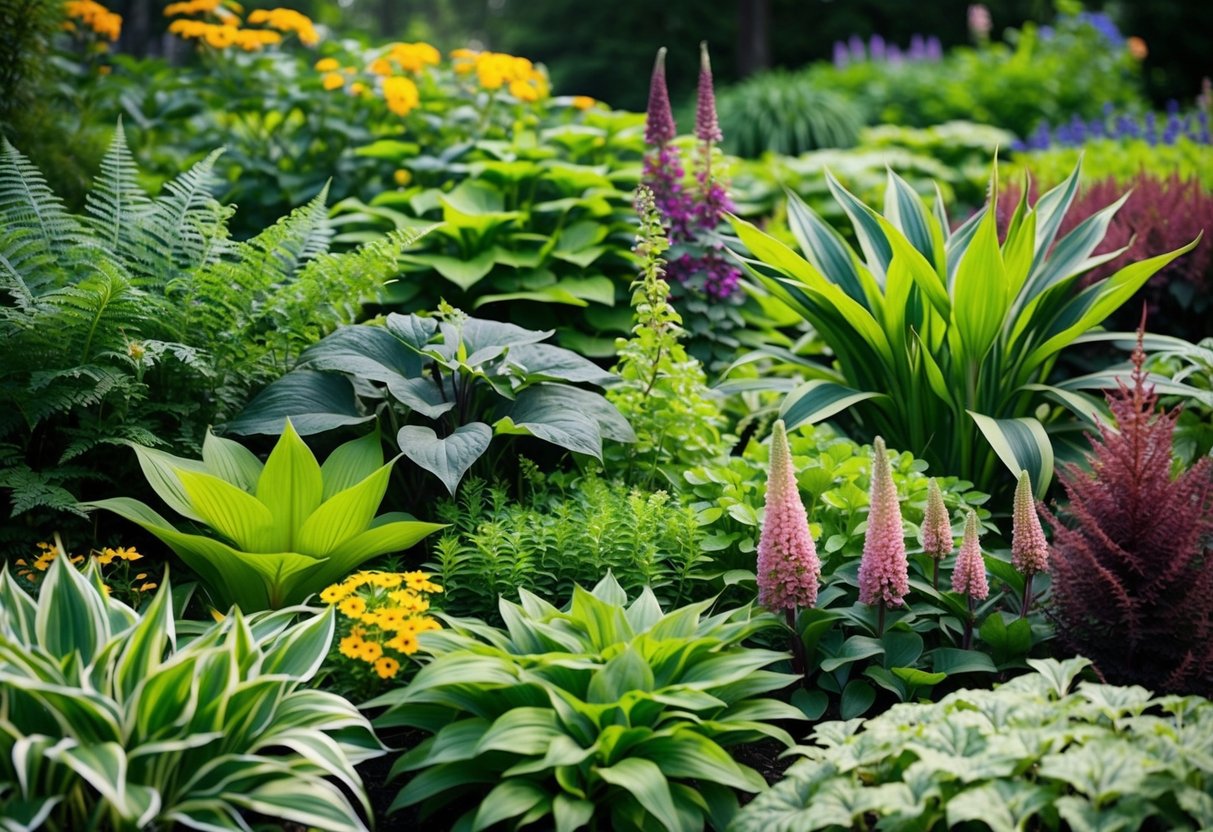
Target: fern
[(116, 205)]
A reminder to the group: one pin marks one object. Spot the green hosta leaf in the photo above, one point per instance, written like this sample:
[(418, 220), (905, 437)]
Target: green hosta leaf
[(824, 247), (161, 470), (1003, 805), (449, 457), (313, 402), (546, 411), (604, 623), (1021, 444), (231, 462), (525, 731), (463, 272), (571, 813), (901, 648), (290, 487), (980, 293), (951, 660), (644, 780), (351, 463), (71, 617), (1008, 641), (855, 648), (687, 753), (344, 515), (625, 672), (817, 400), (380, 539), (508, 799), (544, 362), (231, 511), (857, 697)]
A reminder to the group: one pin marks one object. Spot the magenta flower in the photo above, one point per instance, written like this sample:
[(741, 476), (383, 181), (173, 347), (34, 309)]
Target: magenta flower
[(788, 567), (936, 525), (969, 576), (1029, 549), (884, 573), (707, 127), (659, 126)]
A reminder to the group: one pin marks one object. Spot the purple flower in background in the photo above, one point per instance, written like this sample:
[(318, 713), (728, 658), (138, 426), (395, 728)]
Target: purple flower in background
[(856, 46), (876, 48), (934, 49), (918, 49), (980, 22), (893, 54), (707, 127), (841, 56), (659, 126), (1100, 22)]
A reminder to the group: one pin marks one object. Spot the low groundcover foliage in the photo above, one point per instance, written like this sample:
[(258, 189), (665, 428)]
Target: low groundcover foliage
[(1032, 753), (110, 720)]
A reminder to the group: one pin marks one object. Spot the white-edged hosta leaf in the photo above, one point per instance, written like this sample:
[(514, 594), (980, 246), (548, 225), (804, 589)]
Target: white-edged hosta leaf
[(817, 400), (1022, 444), (309, 801), (103, 766), (300, 650), (71, 616), (144, 646)]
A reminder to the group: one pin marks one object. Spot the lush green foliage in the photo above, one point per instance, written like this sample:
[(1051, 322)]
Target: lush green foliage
[(1032, 753), (294, 526), (471, 378), (114, 720), (661, 390), (142, 321), (1190, 365), (562, 536), (603, 713), (944, 340), (779, 112), (1121, 160), (1012, 85)]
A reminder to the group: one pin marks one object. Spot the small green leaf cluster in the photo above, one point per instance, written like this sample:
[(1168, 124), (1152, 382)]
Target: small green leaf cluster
[(661, 390), (607, 713), (116, 720), (444, 386), (281, 530), (558, 539), (1032, 753), (945, 339)]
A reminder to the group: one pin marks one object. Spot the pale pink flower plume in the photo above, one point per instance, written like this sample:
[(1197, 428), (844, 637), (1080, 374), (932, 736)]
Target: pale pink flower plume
[(788, 567), (884, 573), (1029, 549), (937, 538), (969, 576)]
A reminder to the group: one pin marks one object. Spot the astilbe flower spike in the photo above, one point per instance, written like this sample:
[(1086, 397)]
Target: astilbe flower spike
[(788, 566), (659, 126), (1029, 549), (707, 127), (884, 572), (1132, 584), (969, 576), (937, 538)]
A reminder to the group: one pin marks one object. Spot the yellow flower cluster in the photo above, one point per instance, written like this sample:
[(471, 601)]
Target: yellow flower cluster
[(48, 552), (495, 70), (228, 31), (386, 612), (413, 57), (95, 16), (401, 94)]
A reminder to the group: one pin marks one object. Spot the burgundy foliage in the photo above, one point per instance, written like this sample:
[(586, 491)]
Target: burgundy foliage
[(1133, 565)]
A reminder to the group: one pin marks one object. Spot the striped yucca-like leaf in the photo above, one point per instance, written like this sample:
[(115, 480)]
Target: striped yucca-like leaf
[(111, 719), (284, 529), (944, 339)]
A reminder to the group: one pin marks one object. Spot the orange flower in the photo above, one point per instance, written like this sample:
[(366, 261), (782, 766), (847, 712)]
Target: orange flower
[(387, 667), (582, 102), (1137, 48)]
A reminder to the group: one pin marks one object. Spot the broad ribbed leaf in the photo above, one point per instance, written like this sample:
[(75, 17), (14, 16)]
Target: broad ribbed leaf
[(161, 469), (231, 511), (644, 780), (343, 515), (369, 352), (309, 801), (103, 766), (313, 401), (508, 799), (351, 463), (231, 461), (71, 615), (526, 731), (817, 400), (687, 753), (980, 297), (384, 539), (448, 457), (290, 487), (546, 412)]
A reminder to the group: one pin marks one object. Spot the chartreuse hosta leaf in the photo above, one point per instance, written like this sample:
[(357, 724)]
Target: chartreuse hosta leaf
[(944, 341), (119, 724), (602, 713), (1039, 752), (283, 530)]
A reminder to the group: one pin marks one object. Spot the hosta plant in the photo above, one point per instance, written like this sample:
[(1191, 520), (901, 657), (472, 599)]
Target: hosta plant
[(279, 531), (944, 340), (454, 382), (605, 713), (111, 719), (1034, 753)]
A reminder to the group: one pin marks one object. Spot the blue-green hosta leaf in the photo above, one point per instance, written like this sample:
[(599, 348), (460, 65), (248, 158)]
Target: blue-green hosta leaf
[(71, 615), (290, 487), (508, 799), (544, 362), (1021, 444), (371, 352), (313, 401), (423, 395), (855, 648), (817, 400), (351, 463), (231, 461), (232, 512), (449, 457), (644, 780), (545, 412), (343, 515)]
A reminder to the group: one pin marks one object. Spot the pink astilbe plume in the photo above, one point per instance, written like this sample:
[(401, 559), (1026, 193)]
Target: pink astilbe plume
[(788, 566), (969, 576), (884, 572), (1133, 566), (707, 127), (937, 538), (659, 126), (1029, 549)]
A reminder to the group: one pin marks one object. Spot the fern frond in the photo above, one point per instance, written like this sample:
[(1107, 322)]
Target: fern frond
[(186, 223), (116, 205), (26, 201), (101, 312), (27, 269), (29, 489)]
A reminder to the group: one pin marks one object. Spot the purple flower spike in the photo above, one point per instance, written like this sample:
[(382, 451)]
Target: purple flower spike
[(841, 56), (659, 126), (858, 53), (876, 47), (707, 128)]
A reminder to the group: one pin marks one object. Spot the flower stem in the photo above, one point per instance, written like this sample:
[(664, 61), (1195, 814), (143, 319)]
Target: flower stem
[(799, 665), (1027, 595), (968, 637)]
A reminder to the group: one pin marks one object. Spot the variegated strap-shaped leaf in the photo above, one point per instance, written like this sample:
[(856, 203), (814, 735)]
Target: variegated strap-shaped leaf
[(1022, 444)]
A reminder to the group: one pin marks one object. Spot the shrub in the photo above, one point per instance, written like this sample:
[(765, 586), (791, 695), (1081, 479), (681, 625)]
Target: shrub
[(1031, 753), (294, 526), (1131, 579), (944, 343), (114, 720), (603, 713), (470, 378)]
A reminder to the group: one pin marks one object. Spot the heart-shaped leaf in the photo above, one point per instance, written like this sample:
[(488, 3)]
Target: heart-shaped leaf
[(447, 458)]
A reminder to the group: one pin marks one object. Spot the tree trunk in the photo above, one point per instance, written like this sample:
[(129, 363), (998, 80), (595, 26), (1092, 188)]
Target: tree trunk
[(754, 28)]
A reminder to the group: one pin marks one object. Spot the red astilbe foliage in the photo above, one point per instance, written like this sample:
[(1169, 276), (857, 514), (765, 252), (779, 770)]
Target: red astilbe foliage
[(1160, 215), (1133, 567)]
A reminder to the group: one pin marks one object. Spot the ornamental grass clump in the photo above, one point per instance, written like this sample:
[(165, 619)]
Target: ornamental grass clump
[(1133, 566)]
